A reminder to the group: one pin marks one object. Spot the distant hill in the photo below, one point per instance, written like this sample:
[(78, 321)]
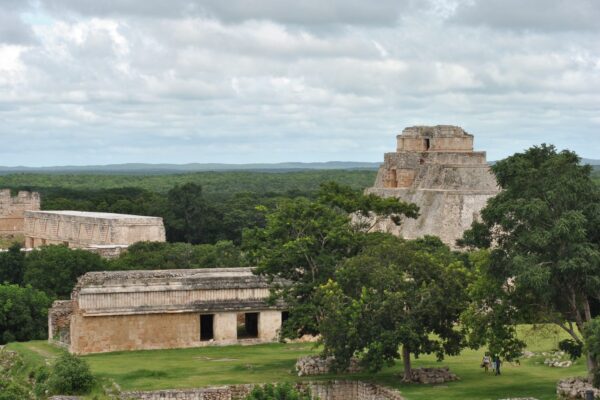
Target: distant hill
[(141, 168), (194, 167), (590, 161)]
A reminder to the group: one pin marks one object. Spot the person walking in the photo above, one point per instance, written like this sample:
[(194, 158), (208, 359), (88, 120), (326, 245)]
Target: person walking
[(485, 362), (497, 363)]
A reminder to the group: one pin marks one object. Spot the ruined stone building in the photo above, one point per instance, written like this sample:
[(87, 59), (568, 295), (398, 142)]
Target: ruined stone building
[(436, 168), (12, 209), (134, 310), (90, 230)]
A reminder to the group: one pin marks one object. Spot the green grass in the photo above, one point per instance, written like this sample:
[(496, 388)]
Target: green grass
[(197, 367)]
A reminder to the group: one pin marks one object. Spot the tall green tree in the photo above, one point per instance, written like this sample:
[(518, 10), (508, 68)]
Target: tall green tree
[(304, 241), (12, 265), (190, 218), (395, 294), (544, 233), (55, 269), (23, 313)]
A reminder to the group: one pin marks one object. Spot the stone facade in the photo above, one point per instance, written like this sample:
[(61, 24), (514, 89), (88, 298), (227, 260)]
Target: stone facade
[(92, 230), (12, 209), (335, 390), (135, 310), (436, 168)]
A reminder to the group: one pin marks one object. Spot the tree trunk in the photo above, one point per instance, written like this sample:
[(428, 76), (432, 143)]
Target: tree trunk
[(406, 360), (591, 367)]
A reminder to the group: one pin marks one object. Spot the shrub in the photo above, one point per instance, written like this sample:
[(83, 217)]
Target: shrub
[(283, 391), (70, 375), (571, 347), (12, 391)]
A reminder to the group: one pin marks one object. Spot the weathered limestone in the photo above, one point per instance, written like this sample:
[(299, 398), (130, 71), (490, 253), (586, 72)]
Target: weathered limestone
[(269, 324), (93, 230), (432, 375), (12, 209), (225, 327), (133, 310), (59, 321), (317, 365), (436, 168), (334, 390), (575, 388)]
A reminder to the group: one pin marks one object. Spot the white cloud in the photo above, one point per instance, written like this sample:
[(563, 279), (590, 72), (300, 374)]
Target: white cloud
[(184, 81)]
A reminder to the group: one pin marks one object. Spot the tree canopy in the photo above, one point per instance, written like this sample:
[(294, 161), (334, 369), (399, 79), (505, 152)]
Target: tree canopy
[(543, 230), (23, 313), (393, 294), (305, 240), (55, 269)]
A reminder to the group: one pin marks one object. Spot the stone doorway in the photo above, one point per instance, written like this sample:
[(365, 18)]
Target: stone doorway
[(207, 327), (247, 325)]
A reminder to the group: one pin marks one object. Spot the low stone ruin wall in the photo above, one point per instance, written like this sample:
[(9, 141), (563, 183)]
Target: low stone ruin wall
[(575, 388), (432, 375), (59, 322), (316, 365), (335, 390), (232, 392)]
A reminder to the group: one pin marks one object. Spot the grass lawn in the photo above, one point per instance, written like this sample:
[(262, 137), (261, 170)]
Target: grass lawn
[(186, 368)]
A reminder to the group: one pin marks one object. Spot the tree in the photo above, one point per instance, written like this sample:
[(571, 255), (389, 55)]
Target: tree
[(304, 241), (55, 269), (12, 264), (190, 218), (157, 255), (491, 317), (394, 294), (544, 232), (23, 313)]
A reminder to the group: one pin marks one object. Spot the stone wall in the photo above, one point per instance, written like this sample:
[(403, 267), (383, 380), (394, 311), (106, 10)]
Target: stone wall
[(109, 252), (317, 365), (133, 332), (59, 322), (12, 209), (432, 375), (79, 229), (335, 390)]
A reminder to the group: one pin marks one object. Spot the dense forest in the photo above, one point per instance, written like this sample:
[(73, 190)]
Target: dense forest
[(202, 207), (278, 181)]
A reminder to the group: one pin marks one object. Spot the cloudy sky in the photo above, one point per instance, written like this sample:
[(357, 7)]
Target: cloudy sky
[(237, 81)]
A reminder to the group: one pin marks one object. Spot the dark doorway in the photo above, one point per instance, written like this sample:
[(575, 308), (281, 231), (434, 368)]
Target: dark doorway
[(206, 327), (247, 326), (427, 144)]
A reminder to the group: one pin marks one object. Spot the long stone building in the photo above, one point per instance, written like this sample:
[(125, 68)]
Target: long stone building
[(12, 209), (81, 229), (436, 168), (135, 310)]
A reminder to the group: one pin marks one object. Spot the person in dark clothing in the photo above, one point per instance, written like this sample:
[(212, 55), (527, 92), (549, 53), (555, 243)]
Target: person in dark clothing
[(497, 363)]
